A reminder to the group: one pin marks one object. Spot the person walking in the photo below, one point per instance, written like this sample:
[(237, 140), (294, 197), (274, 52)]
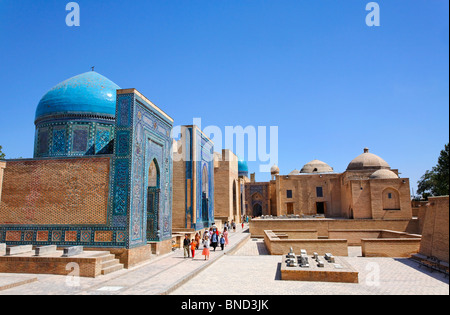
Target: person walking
[(233, 224), (225, 235), (186, 246), (197, 240), (214, 240), (206, 245), (194, 246), (222, 242)]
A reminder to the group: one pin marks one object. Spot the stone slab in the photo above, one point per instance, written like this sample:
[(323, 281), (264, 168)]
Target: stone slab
[(2, 249), (45, 250), (72, 251), (340, 272), (17, 250)]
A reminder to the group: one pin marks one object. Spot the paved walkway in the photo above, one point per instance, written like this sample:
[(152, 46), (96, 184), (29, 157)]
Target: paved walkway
[(250, 271), (159, 276)]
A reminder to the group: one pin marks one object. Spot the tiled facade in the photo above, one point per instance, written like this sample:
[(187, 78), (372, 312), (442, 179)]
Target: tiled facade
[(99, 199)]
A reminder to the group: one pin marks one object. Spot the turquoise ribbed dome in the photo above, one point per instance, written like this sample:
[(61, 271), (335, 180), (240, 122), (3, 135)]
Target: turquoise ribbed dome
[(87, 93), (242, 166)]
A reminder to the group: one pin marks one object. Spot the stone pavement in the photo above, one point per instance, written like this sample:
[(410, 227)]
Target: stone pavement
[(159, 276), (12, 281), (250, 271), (245, 268)]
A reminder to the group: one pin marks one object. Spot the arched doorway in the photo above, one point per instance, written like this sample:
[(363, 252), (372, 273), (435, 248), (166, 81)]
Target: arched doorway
[(257, 210), (153, 193), (205, 194), (235, 200)]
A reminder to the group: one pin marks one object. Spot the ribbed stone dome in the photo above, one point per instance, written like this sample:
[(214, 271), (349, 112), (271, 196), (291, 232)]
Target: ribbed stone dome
[(274, 169), (383, 174), (294, 172), (88, 93), (367, 161), (316, 166)]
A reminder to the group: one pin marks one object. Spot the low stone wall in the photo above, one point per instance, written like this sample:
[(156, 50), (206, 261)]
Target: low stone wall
[(277, 246), (354, 237), (88, 267), (390, 247), (297, 234), (323, 226)]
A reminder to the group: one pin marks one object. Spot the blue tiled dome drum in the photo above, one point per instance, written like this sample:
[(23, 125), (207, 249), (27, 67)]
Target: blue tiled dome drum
[(76, 117)]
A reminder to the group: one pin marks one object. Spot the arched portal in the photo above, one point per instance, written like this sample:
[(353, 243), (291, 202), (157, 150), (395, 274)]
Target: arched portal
[(205, 194), (235, 199), (153, 195), (257, 210)]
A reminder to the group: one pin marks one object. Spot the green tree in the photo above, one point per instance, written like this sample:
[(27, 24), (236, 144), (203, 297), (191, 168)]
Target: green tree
[(436, 181), (2, 155)]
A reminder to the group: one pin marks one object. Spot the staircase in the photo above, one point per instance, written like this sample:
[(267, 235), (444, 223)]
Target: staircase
[(109, 263)]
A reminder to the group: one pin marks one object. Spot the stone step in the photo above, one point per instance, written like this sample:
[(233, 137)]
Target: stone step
[(112, 269), (105, 256), (109, 263)]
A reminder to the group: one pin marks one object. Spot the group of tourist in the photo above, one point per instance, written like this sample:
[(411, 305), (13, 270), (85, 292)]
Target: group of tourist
[(210, 238)]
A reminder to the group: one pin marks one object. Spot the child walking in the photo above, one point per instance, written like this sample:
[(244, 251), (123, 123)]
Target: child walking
[(206, 244), (193, 247)]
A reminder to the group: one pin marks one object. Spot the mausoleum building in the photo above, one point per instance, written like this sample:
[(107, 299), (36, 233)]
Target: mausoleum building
[(368, 189), (101, 176)]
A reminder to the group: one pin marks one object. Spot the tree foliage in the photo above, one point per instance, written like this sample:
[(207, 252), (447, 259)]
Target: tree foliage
[(436, 181), (2, 155)]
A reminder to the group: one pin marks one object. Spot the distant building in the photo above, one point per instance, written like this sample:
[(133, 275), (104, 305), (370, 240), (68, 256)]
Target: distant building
[(230, 176), (193, 199), (368, 189)]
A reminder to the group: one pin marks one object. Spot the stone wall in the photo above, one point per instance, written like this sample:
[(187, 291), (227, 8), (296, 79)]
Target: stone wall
[(435, 234), (277, 246), (393, 247)]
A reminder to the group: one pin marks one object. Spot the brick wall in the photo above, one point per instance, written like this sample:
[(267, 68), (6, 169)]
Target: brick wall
[(278, 246), (225, 175), (435, 233), (322, 226), (55, 192), (179, 193), (397, 247)]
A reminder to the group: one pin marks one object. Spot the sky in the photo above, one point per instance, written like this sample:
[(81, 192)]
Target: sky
[(329, 82)]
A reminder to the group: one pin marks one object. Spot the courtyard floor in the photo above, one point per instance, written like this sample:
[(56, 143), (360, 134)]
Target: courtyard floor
[(244, 268), (251, 271)]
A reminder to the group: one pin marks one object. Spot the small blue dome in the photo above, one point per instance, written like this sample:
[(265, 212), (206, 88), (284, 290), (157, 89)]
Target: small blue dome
[(87, 93), (242, 166)]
